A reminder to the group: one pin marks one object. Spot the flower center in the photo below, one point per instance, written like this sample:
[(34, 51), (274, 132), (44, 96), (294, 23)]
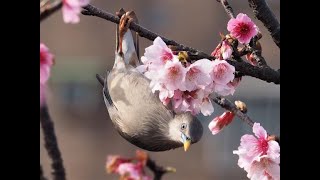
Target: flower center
[(263, 146), (166, 56), (220, 70), (242, 28), (173, 72), (192, 73), (42, 57)]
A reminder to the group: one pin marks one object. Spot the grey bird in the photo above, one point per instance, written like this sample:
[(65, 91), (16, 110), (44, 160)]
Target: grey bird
[(137, 113)]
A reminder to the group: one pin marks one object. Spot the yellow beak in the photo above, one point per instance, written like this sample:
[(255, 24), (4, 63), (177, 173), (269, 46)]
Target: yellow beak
[(186, 144)]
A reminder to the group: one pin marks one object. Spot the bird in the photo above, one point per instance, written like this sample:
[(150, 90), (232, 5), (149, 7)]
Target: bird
[(135, 111)]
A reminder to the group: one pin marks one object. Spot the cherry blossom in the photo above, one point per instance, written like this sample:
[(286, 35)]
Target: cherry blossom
[(259, 155), (46, 62), (218, 123), (242, 28), (71, 10)]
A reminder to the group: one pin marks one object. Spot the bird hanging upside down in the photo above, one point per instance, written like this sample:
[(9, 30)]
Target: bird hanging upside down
[(138, 114)]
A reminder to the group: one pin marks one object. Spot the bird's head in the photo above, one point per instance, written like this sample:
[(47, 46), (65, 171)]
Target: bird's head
[(186, 129)]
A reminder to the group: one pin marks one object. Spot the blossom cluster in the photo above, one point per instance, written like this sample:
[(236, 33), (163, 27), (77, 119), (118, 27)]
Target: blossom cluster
[(259, 155), (128, 168), (186, 85)]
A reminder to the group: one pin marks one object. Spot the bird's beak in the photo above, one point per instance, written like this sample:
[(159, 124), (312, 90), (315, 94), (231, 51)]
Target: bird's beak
[(186, 142)]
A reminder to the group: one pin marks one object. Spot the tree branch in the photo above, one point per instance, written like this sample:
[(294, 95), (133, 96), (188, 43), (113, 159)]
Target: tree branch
[(226, 104), (227, 8), (157, 170), (263, 13), (41, 174), (263, 73), (51, 144), (49, 9)]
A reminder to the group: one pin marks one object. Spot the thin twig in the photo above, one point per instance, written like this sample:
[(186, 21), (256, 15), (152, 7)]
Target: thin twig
[(263, 73), (157, 170), (226, 104), (41, 174), (263, 13), (227, 8), (51, 144), (49, 9)]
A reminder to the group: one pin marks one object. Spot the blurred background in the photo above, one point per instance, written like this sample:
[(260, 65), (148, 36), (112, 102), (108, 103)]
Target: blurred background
[(84, 130)]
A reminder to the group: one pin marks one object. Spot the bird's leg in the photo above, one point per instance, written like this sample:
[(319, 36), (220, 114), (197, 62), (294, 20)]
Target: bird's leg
[(133, 18), (119, 14), (126, 43)]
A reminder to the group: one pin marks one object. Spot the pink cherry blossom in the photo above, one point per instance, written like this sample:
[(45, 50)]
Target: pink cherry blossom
[(259, 155), (206, 107), (157, 54), (218, 123), (172, 75), (226, 50), (133, 171), (198, 75), (242, 28), (46, 61), (222, 72), (228, 89), (217, 52), (113, 162), (164, 93), (266, 169), (71, 10)]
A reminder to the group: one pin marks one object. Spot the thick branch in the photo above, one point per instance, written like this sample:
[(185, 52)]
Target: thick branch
[(51, 144), (157, 170), (41, 174), (263, 13), (49, 9), (264, 73)]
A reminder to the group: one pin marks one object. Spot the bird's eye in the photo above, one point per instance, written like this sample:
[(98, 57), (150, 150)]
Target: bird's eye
[(183, 126)]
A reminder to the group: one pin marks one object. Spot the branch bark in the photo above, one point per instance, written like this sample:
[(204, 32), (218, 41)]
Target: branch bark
[(47, 10), (41, 174), (226, 104), (51, 144), (157, 170), (263, 73), (264, 14)]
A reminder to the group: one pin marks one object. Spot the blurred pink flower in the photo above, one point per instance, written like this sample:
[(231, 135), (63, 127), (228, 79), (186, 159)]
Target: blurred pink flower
[(172, 75), (113, 162), (133, 171), (242, 28), (71, 10), (46, 61), (218, 123), (222, 72), (258, 155), (198, 75)]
